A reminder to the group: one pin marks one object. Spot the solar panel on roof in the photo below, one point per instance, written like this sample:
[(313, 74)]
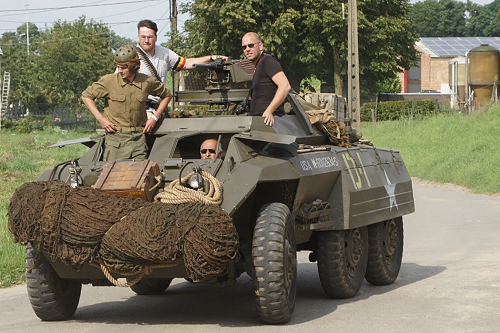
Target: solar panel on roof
[(457, 46)]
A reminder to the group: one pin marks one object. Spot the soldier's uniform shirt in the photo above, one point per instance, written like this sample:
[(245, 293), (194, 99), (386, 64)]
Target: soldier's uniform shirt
[(263, 87), (125, 107)]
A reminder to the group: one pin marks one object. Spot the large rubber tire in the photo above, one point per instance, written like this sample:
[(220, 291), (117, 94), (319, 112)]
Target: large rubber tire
[(275, 264), (51, 297), (151, 286), (385, 251), (342, 258)]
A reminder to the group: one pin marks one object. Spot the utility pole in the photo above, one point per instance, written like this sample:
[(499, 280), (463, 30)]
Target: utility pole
[(1, 108), (353, 95), (27, 31), (173, 22), (173, 34)]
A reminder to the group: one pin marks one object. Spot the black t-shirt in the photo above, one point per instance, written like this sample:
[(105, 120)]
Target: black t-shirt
[(263, 87)]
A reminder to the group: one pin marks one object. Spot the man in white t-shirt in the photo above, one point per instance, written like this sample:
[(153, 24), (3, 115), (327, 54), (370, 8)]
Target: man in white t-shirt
[(162, 58)]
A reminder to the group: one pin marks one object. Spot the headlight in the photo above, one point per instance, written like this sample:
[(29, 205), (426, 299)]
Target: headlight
[(74, 178), (196, 181)]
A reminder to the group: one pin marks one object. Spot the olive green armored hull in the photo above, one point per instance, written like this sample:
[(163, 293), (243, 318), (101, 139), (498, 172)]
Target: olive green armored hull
[(287, 188)]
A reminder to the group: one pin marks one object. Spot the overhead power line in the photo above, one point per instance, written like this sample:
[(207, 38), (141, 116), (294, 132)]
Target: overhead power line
[(76, 6)]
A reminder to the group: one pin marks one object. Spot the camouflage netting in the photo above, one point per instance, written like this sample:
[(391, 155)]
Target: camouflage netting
[(128, 235), (329, 124)]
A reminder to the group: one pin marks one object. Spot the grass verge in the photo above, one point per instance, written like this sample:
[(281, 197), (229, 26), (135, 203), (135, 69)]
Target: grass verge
[(23, 158), (447, 148)]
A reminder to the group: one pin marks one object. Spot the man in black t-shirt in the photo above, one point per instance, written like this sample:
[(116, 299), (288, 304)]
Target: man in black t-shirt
[(270, 85)]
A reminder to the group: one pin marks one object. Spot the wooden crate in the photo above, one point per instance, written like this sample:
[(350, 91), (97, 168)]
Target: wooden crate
[(125, 178)]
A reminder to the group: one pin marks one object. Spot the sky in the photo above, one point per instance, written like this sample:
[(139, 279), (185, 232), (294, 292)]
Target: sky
[(121, 15)]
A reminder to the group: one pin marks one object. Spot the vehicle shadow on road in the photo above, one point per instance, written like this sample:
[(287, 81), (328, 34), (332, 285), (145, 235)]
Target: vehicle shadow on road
[(185, 303)]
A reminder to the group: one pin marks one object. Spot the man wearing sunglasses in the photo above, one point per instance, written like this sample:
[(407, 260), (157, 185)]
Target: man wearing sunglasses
[(270, 85), (208, 149)]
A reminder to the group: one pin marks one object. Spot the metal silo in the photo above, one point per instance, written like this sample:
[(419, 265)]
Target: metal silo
[(483, 69)]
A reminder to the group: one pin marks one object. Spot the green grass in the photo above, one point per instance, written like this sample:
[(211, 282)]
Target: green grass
[(23, 158), (447, 148)]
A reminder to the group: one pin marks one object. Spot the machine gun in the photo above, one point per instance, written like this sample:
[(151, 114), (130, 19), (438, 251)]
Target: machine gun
[(226, 85)]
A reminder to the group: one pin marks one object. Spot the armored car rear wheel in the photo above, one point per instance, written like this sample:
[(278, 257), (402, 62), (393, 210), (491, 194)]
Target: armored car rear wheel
[(151, 286), (51, 297), (275, 264), (342, 258), (385, 251)]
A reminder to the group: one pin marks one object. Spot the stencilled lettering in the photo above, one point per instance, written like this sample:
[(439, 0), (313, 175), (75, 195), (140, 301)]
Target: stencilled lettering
[(305, 165), (324, 162)]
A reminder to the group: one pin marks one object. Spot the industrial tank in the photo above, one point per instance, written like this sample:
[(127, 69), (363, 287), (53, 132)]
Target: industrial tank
[(483, 67)]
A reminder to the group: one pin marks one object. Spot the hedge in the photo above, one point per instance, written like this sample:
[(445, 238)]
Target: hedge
[(394, 110)]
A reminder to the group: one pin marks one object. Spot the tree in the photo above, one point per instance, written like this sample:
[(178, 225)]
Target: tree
[(72, 56), (308, 36), (451, 18), (16, 61), (61, 63), (494, 14), (386, 40), (117, 41), (32, 30), (443, 18)]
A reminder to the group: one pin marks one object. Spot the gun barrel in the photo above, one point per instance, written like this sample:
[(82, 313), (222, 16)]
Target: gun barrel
[(211, 65)]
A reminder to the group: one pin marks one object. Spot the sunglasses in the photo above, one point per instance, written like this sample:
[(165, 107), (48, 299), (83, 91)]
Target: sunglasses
[(204, 151), (244, 47)]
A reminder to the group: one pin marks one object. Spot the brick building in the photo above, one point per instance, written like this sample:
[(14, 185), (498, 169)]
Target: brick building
[(434, 72)]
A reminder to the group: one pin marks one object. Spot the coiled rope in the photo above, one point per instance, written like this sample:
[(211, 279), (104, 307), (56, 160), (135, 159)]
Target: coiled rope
[(176, 193)]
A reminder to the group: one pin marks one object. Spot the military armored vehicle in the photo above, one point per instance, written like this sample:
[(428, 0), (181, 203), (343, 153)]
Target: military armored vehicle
[(287, 188)]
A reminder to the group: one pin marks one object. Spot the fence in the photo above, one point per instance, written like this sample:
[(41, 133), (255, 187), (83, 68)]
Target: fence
[(63, 117)]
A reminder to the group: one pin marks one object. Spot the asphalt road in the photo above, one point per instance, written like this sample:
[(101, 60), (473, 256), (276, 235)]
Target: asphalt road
[(449, 282)]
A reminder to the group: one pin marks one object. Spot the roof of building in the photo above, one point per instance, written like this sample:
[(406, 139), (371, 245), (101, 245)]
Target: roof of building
[(454, 46)]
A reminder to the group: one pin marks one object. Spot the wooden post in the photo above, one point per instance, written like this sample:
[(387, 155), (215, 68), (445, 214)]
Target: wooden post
[(494, 94)]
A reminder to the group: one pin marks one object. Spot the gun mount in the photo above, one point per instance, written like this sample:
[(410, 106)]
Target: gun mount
[(226, 84)]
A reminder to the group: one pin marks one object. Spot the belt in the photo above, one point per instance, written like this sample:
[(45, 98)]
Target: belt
[(130, 129)]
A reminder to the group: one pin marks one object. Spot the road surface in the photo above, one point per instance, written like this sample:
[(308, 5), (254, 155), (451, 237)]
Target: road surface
[(449, 282)]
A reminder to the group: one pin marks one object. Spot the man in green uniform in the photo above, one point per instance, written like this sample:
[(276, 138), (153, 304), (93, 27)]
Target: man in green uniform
[(125, 94)]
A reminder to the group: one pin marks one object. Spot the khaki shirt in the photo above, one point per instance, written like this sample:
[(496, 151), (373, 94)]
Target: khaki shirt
[(125, 102)]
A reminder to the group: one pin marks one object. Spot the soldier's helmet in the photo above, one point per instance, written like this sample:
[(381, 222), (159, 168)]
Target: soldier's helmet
[(127, 55)]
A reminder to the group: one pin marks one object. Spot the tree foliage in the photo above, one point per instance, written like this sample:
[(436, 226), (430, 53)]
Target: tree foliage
[(307, 36), (452, 18), (117, 41), (73, 55), (61, 63)]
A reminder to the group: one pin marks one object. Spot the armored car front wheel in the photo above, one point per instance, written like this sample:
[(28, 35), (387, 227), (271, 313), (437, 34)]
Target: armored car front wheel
[(275, 264), (342, 258), (385, 251), (51, 297)]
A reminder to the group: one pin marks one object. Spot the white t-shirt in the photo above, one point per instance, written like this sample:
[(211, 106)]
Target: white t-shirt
[(164, 60)]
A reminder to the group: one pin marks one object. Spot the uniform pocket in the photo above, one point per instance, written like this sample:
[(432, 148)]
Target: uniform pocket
[(117, 97), (140, 103), (117, 103)]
